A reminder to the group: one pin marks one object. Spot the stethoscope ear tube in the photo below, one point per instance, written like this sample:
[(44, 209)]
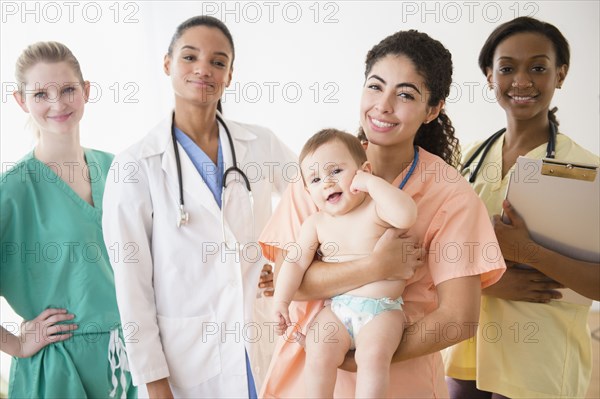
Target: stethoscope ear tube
[(487, 144), (239, 171), (183, 216)]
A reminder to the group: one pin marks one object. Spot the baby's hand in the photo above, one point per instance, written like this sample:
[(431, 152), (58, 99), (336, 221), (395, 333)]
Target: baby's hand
[(282, 317), (359, 183)]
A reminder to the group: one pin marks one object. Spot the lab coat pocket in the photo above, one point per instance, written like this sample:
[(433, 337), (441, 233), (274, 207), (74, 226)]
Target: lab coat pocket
[(191, 346)]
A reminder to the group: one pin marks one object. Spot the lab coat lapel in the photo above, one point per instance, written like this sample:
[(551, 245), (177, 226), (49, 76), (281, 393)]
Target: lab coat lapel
[(241, 148), (236, 219), (242, 137)]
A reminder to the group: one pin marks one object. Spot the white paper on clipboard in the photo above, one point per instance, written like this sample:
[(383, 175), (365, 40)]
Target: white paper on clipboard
[(560, 207)]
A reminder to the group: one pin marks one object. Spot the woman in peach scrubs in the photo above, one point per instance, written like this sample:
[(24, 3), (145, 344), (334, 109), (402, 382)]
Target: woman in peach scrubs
[(411, 143)]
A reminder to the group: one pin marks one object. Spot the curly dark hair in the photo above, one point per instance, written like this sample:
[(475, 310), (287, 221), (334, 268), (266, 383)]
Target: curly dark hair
[(526, 25), (434, 62)]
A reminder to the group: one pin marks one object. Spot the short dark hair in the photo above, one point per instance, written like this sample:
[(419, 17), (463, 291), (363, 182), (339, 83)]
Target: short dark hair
[(201, 20), (526, 25)]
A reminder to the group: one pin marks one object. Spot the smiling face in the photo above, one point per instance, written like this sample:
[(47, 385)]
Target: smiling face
[(394, 102), (328, 173), (54, 96), (524, 75), (200, 66)]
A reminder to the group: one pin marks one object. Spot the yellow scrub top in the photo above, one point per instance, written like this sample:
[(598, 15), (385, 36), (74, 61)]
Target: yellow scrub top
[(523, 349)]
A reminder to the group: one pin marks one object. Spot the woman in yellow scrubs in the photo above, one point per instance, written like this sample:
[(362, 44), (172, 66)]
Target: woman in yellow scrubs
[(540, 346), (55, 271)]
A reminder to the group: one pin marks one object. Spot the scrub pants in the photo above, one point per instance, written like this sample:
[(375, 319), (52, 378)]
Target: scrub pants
[(76, 368), (468, 389)]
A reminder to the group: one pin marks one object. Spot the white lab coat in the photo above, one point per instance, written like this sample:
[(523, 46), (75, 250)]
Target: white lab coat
[(185, 301)]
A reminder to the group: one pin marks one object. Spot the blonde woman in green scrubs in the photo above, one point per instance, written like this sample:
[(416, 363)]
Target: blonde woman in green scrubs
[(54, 269)]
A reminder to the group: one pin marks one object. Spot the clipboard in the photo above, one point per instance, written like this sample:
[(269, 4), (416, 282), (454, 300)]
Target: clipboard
[(560, 203)]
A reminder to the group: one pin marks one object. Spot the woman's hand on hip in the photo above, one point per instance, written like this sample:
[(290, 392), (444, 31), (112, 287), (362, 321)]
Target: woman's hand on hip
[(43, 331)]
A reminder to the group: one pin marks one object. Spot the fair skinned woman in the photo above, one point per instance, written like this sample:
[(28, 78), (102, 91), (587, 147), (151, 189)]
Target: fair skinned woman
[(71, 344)]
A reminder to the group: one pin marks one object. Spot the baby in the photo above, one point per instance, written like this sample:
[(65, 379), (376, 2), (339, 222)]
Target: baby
[(355, 209)]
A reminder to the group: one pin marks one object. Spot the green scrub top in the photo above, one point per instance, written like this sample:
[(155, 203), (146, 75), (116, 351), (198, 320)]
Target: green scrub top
[(53, 255)]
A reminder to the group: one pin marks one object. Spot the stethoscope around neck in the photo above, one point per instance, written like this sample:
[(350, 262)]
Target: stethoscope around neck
[(484, 148), (184, 217)]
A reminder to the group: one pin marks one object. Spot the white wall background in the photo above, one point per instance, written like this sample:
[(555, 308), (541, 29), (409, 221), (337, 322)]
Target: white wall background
[(298, 67), (294, 77)]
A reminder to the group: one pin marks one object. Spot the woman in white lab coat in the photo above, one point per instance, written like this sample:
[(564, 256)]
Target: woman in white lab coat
[(186, 264)]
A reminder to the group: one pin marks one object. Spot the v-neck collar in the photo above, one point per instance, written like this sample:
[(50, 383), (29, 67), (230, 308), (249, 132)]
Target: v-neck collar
[(95, 210), (496, 154), (204, 164)]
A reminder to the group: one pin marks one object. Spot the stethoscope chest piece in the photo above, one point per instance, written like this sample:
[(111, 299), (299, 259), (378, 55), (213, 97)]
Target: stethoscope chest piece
[(184, 217)]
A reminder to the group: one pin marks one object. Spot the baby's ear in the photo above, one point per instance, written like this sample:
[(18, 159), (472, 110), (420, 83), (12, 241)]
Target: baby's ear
[(366, 167)]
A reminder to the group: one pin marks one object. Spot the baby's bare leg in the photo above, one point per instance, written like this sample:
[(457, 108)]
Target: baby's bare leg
[(375, 345), (327, 342)]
